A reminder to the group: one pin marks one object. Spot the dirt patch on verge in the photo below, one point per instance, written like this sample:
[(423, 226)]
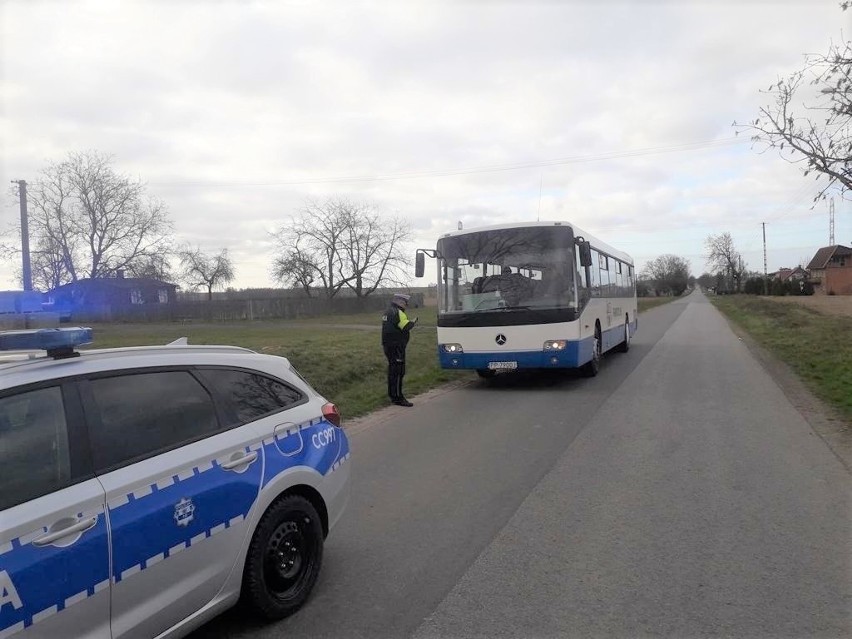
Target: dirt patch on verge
[(828, 304), (824, 420)]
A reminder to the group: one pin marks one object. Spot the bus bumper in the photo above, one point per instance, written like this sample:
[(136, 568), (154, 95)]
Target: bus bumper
[(575, 353)]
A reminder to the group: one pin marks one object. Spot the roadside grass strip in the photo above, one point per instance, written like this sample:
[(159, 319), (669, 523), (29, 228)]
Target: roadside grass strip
[(816, 346)]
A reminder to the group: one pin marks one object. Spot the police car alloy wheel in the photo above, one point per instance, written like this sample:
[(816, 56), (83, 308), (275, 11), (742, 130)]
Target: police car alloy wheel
[(284, 558)]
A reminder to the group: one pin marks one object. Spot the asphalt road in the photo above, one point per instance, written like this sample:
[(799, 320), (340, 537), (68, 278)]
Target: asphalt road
[(677, 494)]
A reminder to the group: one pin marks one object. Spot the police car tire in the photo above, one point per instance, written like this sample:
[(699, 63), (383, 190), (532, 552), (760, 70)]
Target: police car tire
[(256, 592)]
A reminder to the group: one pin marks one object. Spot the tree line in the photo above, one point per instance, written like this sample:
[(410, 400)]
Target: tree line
[(729, 273), (88, 220)]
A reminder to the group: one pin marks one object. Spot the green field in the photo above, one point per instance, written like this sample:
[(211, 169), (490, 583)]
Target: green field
[(341, 356), (816, 346)]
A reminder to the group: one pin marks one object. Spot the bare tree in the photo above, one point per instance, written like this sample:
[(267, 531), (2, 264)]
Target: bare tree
[(371, 252), (87, 220), (48, 265), (723, 257), (295, 267), (339, 243), (201, 270), (706, 280), (822, 139), (157, 266), (669, 274)]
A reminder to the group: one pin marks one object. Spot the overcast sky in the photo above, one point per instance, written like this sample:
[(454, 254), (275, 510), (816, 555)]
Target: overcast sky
[(614, 116)]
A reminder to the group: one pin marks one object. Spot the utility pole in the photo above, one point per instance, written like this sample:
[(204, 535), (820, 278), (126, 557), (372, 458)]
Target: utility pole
[(831, 222), (765, 272), (25, 235), (739, 273)]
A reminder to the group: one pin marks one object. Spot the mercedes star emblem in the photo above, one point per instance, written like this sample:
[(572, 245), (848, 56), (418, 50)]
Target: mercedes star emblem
[(500, 339)]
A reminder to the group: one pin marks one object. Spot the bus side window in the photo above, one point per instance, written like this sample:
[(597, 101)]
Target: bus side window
[(619, 267), (581, 274), (595, 274), (606, 279)]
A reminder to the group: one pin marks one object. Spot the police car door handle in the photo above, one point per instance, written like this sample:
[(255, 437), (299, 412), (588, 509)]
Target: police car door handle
[(244, 460), (80, 527)]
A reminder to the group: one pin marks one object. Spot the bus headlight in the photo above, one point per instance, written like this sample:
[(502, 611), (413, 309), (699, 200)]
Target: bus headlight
[(452, 348), (555, 345)]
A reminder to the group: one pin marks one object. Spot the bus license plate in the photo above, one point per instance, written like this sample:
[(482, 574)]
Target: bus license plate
[(502, 365)]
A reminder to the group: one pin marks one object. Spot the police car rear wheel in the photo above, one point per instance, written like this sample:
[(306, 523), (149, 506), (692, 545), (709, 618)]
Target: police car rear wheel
[(284, 558)]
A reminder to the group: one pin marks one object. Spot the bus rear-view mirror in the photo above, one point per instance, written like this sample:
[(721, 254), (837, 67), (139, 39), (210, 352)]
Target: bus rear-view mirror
[(419, 264), (585, 253)]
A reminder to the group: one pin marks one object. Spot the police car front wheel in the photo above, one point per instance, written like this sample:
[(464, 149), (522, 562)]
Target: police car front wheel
[(284, 558)]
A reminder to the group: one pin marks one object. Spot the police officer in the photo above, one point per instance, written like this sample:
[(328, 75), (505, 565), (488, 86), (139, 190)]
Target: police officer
[(395, 334)]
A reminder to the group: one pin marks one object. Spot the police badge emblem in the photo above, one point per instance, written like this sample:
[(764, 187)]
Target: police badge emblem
[(184, 512)]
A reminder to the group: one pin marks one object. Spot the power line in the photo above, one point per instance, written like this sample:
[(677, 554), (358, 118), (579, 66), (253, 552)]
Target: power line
[(495, 168)]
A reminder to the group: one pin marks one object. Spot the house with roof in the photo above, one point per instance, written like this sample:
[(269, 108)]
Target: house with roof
[(101, 297), (789, 274), (831, 270)]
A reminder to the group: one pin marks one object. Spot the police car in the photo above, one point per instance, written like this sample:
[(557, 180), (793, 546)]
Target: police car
[(145, 490)]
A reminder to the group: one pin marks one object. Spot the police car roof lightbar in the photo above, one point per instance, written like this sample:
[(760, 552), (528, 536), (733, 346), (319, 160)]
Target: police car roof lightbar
[(58, 342)]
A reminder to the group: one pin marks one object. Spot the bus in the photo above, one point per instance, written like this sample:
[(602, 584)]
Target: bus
[(540, 295)]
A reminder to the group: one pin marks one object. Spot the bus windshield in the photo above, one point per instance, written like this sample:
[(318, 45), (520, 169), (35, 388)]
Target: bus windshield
[(503, 270)]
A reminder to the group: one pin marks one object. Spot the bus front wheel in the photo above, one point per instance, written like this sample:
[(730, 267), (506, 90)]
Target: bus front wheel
[(591, 368)]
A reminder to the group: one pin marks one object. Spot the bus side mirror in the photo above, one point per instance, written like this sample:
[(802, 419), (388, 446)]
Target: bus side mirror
[(585, 253), (419, 264)]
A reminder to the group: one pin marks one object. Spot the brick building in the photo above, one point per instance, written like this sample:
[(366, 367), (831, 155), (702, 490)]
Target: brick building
[(831, 270)]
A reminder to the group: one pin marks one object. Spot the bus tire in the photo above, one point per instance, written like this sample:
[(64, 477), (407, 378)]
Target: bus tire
[(625, 345), (284, 558), (591, 368), (485, 373)]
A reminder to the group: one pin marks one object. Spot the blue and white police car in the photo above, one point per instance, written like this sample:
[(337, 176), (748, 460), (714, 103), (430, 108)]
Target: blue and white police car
[(145, 490)]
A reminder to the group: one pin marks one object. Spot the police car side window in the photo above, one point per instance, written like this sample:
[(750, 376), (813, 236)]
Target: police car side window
[(251, 395), (143, 414), (34, 451)]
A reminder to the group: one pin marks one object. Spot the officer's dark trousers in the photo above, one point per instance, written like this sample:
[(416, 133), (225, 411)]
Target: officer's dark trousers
[(395, 354)]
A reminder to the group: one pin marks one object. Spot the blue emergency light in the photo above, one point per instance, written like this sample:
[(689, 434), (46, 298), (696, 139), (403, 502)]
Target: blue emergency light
[(58, 342)]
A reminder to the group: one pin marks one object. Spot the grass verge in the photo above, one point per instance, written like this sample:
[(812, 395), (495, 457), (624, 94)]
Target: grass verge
[(817, 347)]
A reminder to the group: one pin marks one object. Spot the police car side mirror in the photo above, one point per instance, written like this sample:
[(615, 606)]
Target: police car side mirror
[(419, 264)]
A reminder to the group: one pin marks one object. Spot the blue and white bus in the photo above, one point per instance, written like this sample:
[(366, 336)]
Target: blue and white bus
[(540, 295)]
